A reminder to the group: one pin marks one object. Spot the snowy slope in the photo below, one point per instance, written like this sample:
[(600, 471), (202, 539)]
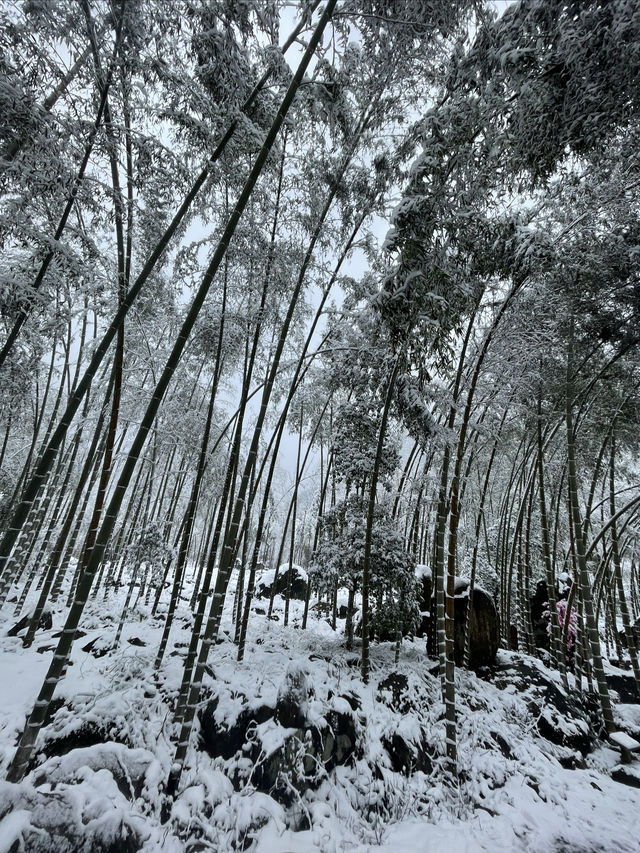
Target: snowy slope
[(107, 751)]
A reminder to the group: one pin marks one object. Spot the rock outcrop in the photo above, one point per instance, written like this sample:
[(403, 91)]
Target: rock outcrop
[(484, 627), (279, 750), (560, 719), (295, 579)]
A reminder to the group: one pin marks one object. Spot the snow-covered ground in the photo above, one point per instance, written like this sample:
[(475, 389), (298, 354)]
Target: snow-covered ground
[(514, 793)]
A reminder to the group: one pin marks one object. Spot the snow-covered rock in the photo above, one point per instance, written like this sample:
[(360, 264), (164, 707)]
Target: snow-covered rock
[(294, 579), (45, 624), (285, 748), (484, 627), (559, 718), (292, 705)]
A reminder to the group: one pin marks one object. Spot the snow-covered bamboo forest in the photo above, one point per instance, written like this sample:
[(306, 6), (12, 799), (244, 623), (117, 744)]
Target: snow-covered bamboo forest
[(319, 426)]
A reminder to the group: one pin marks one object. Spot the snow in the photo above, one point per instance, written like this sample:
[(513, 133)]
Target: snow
[(630, 771), (460, 585), (11, 828), (266, 577), (423, 572), (514, 794), (623, 740)]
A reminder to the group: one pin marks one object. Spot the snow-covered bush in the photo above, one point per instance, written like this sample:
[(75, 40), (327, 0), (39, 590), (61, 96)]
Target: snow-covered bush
[(339, 558), (150, 549)]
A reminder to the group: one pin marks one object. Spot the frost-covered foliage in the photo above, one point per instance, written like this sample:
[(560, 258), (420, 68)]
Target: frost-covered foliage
[(354, 441), (339, 558), (149, 547), (576, 61)]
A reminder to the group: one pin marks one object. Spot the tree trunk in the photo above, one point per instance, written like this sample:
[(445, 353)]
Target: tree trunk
[(185, 734), (373, 486), (61, 656), (581, 562)]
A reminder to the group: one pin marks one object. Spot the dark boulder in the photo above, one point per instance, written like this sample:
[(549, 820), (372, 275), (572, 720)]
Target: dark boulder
[(293, 698), (127, 766), (407, 694), (503, 745), (626, 775), (98, 647), (351, 699), (63, 823), (63, 816), (626, 688), (295, 577), (394, 692), (227, 738), (289, 769), (87, 734), (565, 728), (305, 757), (45, 624), (407, 756), (301, 761), (485, 622), (484, 629), (339, 738)]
